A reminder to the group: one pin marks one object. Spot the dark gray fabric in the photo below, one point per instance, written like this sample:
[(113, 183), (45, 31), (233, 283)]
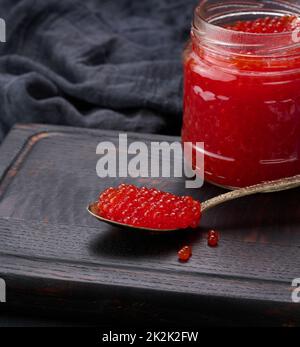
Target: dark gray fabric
[(110, 64)]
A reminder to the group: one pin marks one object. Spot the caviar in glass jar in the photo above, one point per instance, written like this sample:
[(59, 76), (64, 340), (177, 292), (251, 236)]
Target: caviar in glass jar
[(242, 90)]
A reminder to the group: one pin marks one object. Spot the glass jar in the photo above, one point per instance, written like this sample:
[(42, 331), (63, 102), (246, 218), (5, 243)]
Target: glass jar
[(242, 93)]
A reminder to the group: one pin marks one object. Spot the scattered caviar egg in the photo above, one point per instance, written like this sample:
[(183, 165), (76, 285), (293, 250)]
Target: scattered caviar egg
[(148, 208), (213, 238), (185, 253), (266, 25), (213, 233)]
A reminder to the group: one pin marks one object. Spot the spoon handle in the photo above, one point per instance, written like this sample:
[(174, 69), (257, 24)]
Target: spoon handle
[(266, 187)]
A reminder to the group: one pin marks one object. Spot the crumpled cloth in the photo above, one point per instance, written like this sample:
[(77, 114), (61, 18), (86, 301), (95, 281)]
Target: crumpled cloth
[(106, 64)]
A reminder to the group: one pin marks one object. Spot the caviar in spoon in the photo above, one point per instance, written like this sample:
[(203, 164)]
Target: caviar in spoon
[(148, 208), (114, 201)]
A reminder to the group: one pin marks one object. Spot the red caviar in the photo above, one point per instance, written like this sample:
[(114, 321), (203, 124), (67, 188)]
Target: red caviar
[(212, 241), (185, 253), (213, 238), (213, 233), (149, 208), (242, 98), (266, 25)]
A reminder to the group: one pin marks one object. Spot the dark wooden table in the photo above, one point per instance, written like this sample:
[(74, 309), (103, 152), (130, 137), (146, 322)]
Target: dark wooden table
[(58, 260)]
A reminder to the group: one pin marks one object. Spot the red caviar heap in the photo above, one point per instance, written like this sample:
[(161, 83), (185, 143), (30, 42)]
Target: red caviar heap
[(149, 208), (266, 25)]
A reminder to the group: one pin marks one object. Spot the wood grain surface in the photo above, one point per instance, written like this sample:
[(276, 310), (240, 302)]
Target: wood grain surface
[(55, 257)]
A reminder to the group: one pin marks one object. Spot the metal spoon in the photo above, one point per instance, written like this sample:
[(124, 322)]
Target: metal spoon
[(266, 187)]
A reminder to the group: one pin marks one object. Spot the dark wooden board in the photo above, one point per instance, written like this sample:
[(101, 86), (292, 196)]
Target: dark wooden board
[(55, 257)]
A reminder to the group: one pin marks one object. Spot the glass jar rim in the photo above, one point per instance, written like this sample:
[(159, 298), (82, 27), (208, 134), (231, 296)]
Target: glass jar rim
[(205, 28)]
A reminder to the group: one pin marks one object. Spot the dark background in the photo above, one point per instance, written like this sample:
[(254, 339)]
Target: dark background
[(109, 64)]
